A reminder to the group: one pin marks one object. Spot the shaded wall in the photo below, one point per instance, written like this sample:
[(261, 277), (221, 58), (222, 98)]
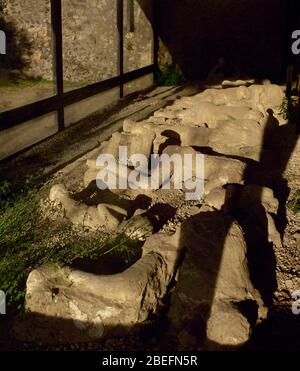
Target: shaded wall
[(249, 33)]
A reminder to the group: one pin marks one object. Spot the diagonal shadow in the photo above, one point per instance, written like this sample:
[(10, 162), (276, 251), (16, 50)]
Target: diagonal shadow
[(206, 247)]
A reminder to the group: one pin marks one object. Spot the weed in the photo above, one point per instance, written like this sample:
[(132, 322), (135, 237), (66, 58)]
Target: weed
[(288, 108), (9, 85), (29, 238), (170, 75), (294, 203), (130, 46)]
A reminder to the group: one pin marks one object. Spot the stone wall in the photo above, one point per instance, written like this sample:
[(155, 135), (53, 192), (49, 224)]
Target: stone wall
[(90, 44), (29, 21), (138, 45)]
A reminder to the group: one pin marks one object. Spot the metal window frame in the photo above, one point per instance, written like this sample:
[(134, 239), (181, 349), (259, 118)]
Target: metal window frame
[(61, 99), (130, 15)]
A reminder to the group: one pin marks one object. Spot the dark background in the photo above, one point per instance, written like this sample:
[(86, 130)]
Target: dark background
[(250, 34)]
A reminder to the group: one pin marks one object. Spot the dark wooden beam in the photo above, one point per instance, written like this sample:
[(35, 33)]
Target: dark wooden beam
[(31, 111), (120, 26), (130, 15), (57, 42), (155, 34)]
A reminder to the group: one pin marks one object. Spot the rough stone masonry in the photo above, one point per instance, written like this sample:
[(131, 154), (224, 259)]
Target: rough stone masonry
[(90, 46)]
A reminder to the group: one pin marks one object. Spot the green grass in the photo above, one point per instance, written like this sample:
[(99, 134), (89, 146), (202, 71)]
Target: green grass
[(289, 107), (23, 83), (28, 239), (169, 75), (19, 84), (294, 203)]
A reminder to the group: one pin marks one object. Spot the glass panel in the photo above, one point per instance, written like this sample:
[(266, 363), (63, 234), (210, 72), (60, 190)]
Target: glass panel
[(26, 134), (26, 69), (139, 84), (80, 110), (89, 41), (138, 36)]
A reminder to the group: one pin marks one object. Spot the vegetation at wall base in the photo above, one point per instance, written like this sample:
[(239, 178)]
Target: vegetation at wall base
[(29, 238), (289, 108), (294, 204), (169, 75)]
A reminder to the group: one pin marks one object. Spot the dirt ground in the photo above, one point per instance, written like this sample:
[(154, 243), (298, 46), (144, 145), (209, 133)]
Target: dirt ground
[(281, 330)]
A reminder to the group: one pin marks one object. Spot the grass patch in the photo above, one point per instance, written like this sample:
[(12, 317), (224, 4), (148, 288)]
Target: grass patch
[(288, 109), (170, 75), (294, 203), (23, 83), (19, 84), (29, 239)]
